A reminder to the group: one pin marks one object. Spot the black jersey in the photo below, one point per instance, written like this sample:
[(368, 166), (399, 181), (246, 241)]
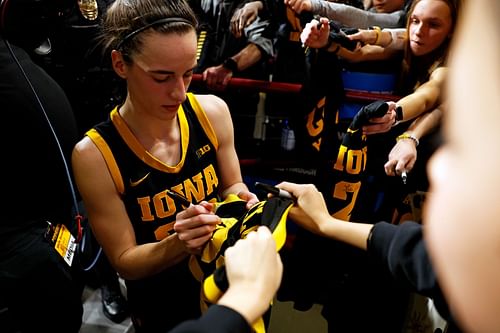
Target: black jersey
[(143, 181)]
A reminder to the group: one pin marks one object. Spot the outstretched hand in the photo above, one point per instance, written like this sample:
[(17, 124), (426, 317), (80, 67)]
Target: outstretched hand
[(314, 36), (401, 158), (380, 123), (244, 16), (364, 36), (310, 210), (217, 77)]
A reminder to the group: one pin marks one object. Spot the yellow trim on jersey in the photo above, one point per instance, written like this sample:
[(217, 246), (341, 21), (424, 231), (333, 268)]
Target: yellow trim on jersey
[(142, 153), (210, 289), (219, 235), (202, 117), (259, 326), (103, 147)]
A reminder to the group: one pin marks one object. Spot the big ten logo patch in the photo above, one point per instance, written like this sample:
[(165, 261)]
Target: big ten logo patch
[(202, 151)]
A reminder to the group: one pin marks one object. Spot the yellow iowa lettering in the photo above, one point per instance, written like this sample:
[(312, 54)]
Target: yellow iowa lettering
[(351, 161), (196, 188)]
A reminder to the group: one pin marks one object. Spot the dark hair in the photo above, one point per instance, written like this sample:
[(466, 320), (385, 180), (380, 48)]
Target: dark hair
[(126, 21), (420, 68)]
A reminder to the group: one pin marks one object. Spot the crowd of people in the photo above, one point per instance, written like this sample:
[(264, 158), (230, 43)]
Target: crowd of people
[(151, 165)]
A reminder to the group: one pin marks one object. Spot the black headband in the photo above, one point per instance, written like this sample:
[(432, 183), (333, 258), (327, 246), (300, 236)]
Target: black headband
[(147, 26)]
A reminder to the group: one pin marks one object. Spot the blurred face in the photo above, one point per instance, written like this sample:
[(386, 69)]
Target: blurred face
[(387, 6), (463, 211), (430, 25), (160, 75)]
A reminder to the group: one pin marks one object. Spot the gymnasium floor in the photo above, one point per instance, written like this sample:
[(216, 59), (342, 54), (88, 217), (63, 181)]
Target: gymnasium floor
[(283, 320), (94, 320)]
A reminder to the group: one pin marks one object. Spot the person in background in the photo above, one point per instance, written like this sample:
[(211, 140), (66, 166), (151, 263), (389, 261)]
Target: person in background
[(423, 70), (403, 156), (366, 193), (429, 32), (384, 14), (161, 140), (39, 289), (384, 6), (226, 54), (425, 128), (398, 248), (456, 219), (89, 83)]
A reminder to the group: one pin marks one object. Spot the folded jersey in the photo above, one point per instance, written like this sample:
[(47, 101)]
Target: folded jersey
[(237, 222)]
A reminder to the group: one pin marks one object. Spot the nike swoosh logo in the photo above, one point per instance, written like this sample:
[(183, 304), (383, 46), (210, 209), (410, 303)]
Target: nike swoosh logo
[(137, 182), (352, 131)]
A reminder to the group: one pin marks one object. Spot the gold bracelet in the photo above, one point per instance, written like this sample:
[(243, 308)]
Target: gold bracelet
[(408, 136), (378, 32)]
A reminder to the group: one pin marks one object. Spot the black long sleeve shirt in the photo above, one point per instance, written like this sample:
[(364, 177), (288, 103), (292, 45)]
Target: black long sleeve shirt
[(402, 249), (219, 319)]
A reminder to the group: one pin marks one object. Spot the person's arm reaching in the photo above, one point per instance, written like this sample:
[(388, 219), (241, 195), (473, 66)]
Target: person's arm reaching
[(317, 36), (347, 15), (404, 153), (244, 16), (400, 248), (311, 213), (425, 98)]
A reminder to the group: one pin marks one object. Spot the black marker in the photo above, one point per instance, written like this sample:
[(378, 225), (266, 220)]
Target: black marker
[(273, 190), (185, 202), (318, 18)]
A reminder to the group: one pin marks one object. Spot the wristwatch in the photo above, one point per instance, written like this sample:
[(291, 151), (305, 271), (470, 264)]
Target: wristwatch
[(230, 64), (399, 115)]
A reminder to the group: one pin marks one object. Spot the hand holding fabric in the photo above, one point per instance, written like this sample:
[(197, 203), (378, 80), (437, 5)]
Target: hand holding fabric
[(254, 270), (376, 117), (310, 210)]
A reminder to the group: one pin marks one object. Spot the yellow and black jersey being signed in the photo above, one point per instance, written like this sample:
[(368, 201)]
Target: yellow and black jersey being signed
[(143, 180), (236, 223)]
